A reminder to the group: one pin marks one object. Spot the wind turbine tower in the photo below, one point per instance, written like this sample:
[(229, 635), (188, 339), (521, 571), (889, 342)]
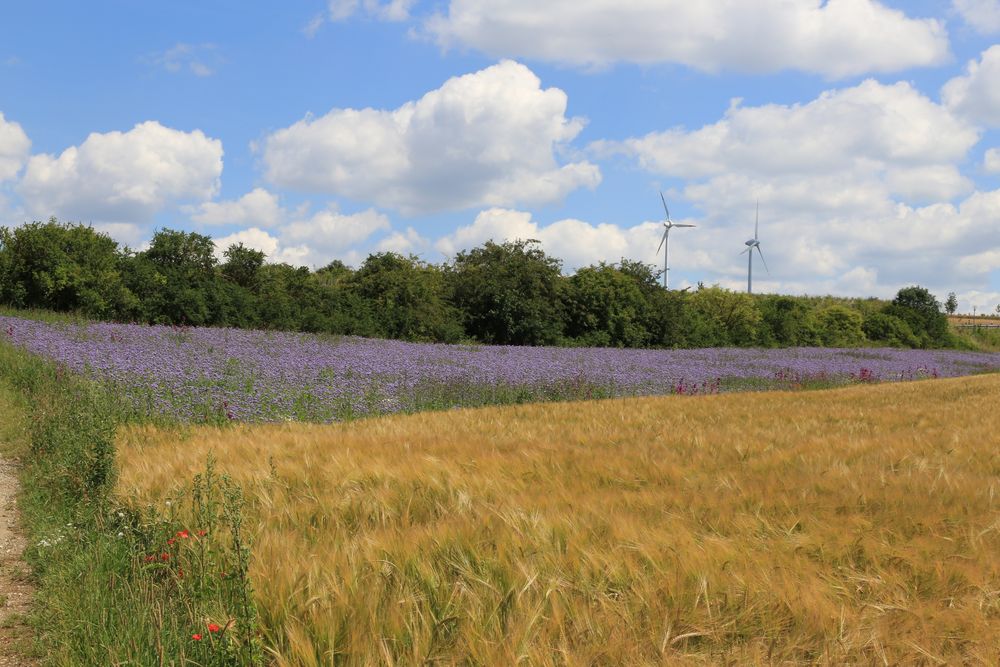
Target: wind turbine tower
[(751, 244), (665, 242)]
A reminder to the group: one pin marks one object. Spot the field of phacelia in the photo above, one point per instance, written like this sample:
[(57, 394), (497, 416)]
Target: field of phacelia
[(202, 374)]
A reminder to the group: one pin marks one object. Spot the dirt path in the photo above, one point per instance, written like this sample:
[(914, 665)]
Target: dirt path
[(15, 589)]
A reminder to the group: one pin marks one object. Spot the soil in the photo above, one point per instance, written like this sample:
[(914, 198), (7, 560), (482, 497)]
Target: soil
[(15, 585)]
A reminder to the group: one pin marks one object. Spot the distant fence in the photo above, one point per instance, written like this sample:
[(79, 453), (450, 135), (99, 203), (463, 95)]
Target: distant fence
[(977, 326)]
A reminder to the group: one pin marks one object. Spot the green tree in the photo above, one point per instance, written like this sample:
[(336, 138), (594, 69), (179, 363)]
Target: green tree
[(951, 305), (605, 306), (840, 326), (787, 321), (177, 280), (282, 294), (242, 265), (508, 293), (407, 298), (889, 329), (63, 267), (646, 276), (921, 311), (334, 306), (721, 317)]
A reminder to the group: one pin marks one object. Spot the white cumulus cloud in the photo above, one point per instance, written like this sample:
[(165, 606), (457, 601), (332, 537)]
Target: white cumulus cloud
[(123, 176), (860, 192), (403, 243), (982, 15), (14, 147), (861, 253), (315, 240), (991, 161), (575, 242), (849, 148), (258, 208), (126, 233), (836, 38), (488, 138), (976, 94), (252, 237)]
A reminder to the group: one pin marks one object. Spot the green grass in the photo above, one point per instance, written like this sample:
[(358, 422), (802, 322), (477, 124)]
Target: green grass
[(13, 422), (40, 315), (980, 340), (116, 584)]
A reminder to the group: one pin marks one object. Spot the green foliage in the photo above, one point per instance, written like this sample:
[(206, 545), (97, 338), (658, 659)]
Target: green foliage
[(840, 327), (978, 338), (65, 267), (921, 311), (951, 305), (407, 298), (176, 280), (242, 265), (508, 293), (280, 291), (605, 306), (787, 322), (719, 317), (889, 330)]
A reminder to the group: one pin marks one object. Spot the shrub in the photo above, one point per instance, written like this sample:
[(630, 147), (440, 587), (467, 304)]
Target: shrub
[(840, 327), (889, 329), (605, 306), (787, 322), (721, 317), (919, 309)]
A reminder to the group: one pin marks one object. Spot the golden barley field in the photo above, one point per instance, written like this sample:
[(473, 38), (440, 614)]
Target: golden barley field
[(850, 526)]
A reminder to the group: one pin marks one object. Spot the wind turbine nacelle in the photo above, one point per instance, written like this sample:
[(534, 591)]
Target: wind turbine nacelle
[(751, 242)]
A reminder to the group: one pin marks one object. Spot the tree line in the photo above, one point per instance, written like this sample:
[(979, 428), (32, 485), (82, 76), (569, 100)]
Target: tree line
[(508, 293)]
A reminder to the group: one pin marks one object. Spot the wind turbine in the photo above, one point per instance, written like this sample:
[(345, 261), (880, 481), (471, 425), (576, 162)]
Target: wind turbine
[(665, 242), (751, 244)]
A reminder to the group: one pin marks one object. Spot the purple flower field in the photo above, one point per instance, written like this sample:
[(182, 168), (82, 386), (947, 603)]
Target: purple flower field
[(197, 374)]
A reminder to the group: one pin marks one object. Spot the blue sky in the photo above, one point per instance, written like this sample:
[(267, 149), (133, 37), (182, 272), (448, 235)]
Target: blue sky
[(328, 130)]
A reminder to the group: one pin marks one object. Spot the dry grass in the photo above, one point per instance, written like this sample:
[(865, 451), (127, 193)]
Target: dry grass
[(979, 319), (852, 526)]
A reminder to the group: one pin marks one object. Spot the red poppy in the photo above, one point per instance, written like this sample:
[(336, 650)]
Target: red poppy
[(180, 573), (164, 556), (202, 533), (196, 637), (150, 559), (212, 627), (183, 534), (171, 541)]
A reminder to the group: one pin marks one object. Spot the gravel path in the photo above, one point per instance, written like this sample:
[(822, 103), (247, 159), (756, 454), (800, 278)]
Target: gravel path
[(15, 586)]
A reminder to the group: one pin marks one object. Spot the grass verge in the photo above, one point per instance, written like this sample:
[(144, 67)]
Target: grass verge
[(119, 583)]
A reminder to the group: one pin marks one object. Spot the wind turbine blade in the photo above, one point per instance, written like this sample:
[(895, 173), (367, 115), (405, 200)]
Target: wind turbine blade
[(676, 224), (662, 239), (746, 251), (756, 221), (664, 200), (762, 259)]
